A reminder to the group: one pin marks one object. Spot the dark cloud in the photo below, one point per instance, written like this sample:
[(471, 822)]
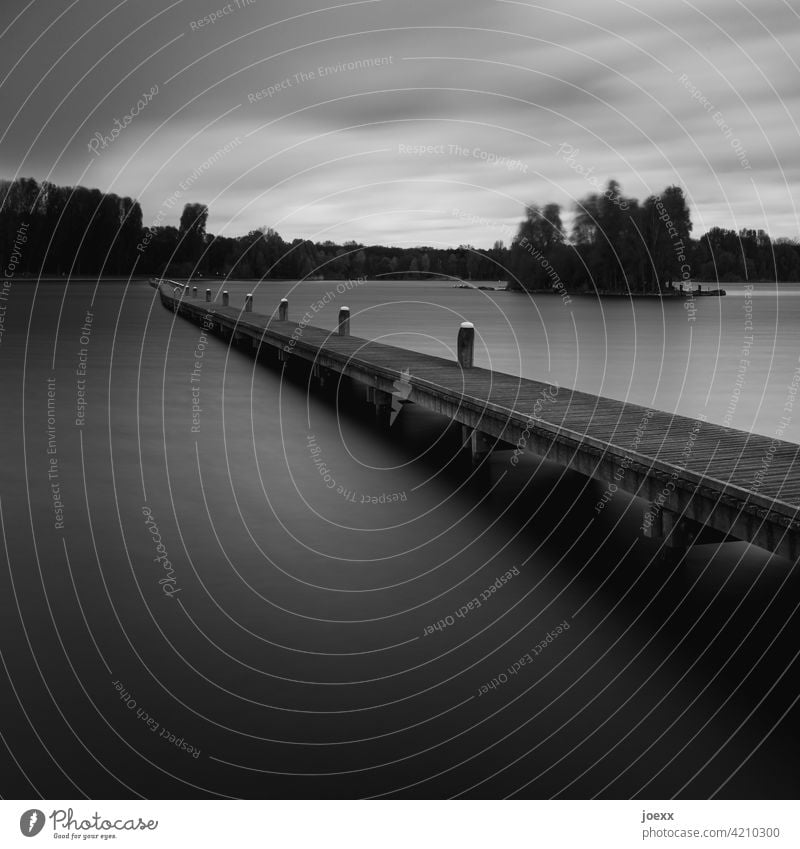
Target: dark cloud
[(322, 100)]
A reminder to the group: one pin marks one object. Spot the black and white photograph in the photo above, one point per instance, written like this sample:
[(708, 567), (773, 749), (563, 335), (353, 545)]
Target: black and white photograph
[(400, 402)]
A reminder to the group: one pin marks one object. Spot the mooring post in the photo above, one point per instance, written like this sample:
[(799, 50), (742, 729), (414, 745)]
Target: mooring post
[(248, 303), (283, 310), (466, 344), (344, 321), (208, 294), (194, 291), (225, 299)]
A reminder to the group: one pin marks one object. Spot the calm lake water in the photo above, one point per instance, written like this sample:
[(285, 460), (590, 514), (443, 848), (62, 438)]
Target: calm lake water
[(650, 352), (169, 590)]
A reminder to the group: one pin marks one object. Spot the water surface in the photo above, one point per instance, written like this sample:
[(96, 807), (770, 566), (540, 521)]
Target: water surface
[(307, 638)]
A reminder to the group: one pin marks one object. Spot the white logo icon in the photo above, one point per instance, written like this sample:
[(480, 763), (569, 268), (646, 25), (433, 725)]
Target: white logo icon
[(402, 389)]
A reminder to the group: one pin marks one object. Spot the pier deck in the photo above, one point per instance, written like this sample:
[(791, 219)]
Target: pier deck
[(696, 473)]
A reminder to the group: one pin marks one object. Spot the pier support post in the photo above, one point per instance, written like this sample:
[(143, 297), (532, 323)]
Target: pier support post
[(248, 303), (283, 310), (208, 295), (466, 344), (382, 403), (344, 321), (319, 374), (477, 443), (225, 299), (676, 534), (383, 408)]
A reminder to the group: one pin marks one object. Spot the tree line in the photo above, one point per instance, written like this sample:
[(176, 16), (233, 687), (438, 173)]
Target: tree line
[(619, 244), (616, 244)]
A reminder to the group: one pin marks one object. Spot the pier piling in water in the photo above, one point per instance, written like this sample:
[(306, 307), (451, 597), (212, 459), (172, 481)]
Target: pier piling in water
[(208, 295), (283, 310), (477, 443), (577, 430), (248, 303)]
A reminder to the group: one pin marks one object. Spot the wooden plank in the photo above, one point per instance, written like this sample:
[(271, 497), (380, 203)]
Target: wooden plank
[(667, 443)]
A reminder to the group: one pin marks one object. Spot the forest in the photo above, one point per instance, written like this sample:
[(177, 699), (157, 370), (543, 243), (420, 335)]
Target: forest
[(615, 244)]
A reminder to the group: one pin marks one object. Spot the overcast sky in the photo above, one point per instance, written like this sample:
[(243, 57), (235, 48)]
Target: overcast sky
[(520, 102)]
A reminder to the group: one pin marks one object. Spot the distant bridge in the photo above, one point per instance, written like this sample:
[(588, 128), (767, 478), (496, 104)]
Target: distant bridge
[(704, 482)]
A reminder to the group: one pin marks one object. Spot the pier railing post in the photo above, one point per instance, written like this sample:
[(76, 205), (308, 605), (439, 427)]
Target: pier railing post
[(283, 310), (208, 294), (248, 303), (344, 321), (466, 344), (225, 299)]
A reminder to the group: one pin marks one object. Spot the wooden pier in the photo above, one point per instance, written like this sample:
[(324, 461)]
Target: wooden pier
[(703, 482)]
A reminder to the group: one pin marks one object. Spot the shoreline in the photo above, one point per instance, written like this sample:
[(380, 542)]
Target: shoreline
[(487, 286)]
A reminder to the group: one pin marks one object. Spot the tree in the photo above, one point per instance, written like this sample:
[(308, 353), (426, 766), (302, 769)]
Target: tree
[(192, 232), (538, 237)]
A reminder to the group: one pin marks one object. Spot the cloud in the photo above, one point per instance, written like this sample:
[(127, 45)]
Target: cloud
[(322, 148)]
